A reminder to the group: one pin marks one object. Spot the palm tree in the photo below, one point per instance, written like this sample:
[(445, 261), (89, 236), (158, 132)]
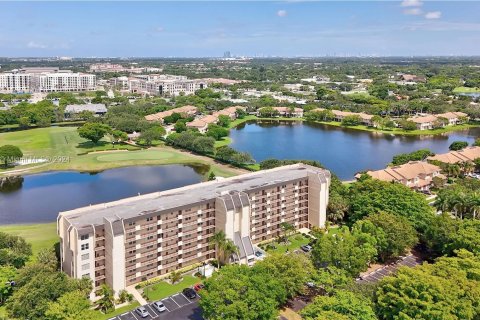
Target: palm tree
[(175, 277), (107, 302), (228, 249), (286, 229), (218, 240), (467, 167)]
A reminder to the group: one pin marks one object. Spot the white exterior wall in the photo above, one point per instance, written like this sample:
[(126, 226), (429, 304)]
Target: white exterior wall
[(60, 82), (14, 82)]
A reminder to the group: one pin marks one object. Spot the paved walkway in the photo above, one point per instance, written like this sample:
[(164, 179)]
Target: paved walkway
[(136, 295)]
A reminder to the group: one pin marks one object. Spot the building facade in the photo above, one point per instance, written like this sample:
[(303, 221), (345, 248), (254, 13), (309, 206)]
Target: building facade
[(128, 241), (14, 82), (165, 85), (417, 175), (62, 82)]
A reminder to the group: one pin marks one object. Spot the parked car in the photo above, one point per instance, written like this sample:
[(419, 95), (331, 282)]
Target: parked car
[(198, 287), (189, 293), (258, 254), (142, 312), (311, 284), (159, 306), (306, 248)]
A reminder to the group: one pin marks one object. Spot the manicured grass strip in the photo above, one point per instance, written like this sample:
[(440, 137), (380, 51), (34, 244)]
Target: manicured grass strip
[(40, 236), (466, 90), (295, 242), (163, 289), (117, 312)]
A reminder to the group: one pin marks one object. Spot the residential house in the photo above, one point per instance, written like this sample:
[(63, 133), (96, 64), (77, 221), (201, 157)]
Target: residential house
[(184, 111), (289, 112), (424, 122), (469, 154), (453, 118), (417, 175)]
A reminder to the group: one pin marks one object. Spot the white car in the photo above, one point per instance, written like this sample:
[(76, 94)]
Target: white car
[(159, 306), (142, 312)]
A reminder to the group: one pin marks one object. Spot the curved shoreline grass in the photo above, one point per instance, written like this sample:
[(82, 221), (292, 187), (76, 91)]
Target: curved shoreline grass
[(395, 131)]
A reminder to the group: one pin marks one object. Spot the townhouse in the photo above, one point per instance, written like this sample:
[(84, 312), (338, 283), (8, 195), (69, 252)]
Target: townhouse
[(417, 175), (185, 111), (124, 242), (431, 121), (469, 154), (201, 124)]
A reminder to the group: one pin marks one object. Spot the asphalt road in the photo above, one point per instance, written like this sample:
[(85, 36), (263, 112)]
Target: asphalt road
[(178, 307)]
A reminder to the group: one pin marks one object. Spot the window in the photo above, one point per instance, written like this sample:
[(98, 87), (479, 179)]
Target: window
[(84, 237), (131, 223), (85, 246), (86, 266), (149, 219), (85, 256)]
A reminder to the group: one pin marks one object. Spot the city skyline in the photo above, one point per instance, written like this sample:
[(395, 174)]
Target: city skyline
[(208, 29)]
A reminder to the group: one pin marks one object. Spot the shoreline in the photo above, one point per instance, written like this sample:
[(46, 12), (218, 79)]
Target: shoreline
[(337, 124)]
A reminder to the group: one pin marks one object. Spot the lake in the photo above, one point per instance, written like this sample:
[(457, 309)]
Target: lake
[(344, 151), (42, 196)]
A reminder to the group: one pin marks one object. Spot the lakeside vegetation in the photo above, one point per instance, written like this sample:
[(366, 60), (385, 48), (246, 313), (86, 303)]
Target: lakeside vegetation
[(393, 131)]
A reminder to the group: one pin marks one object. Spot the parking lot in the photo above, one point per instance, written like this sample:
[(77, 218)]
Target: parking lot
[(409, 261), (178, 307)]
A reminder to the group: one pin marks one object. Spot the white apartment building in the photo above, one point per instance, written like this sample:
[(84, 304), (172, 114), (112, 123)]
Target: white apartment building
[(62, 82), (165, 84), (14, 82)]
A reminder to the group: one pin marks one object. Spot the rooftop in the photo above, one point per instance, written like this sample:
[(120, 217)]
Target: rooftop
[(161, 201)]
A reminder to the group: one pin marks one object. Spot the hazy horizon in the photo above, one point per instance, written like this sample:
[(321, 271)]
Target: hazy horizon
[(271, 29)]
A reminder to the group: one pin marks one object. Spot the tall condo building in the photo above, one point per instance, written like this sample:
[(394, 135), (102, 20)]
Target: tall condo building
[(156, 84), (11, 82), (46, 79), (62, 82), (128, 241)]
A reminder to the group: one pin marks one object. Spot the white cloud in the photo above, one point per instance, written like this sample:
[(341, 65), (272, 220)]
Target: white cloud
[(433, 15), (282, 13), (159, 29), (36, 45), (411, 3), (413, 11)]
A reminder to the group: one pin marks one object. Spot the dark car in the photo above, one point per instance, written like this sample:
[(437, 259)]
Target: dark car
[(189, 293)]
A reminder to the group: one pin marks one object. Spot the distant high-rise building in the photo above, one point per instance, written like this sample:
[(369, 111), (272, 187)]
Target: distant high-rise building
[(227, 54)]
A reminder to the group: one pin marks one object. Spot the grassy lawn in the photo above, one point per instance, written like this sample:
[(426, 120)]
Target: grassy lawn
[(236, 122), (224, 142), (64, 142), (163, 289), (117, 312), (466, 90), (43, 235), (295, 242)]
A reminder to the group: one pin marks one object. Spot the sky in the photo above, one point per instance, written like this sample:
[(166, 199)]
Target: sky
[(245, 28)]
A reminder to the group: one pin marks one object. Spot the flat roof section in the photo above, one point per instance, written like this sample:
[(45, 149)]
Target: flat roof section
[(157, 202)]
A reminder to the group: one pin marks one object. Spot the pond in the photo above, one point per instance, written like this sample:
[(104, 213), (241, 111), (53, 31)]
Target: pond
[(344, 151), (40, 197)]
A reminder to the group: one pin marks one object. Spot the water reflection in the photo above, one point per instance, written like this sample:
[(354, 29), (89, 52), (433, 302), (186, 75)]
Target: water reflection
[(345, 151), (42, 196)]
